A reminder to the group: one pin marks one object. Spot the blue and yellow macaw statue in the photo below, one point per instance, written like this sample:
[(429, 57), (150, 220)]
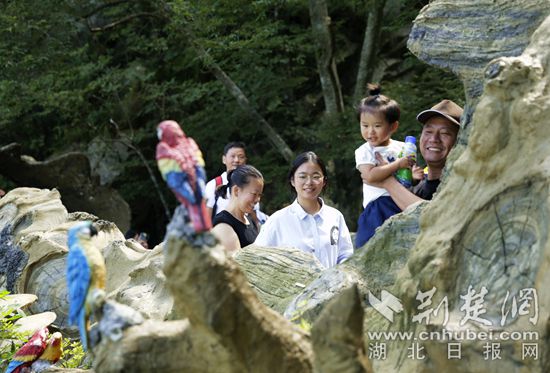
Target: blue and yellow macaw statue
[(181, 165), (86, 275)]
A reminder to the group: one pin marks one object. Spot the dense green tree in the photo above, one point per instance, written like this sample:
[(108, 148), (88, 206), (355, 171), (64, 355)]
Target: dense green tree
[(69, 70)]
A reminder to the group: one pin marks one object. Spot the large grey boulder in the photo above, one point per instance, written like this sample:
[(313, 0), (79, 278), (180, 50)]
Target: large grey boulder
[(462, 36), (487, 260), (33, 251), (71, 175), (278, 274)]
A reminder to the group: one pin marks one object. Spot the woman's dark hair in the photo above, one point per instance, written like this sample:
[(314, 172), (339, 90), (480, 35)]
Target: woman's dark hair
[(376, 102), (240, 177), (304, 158)]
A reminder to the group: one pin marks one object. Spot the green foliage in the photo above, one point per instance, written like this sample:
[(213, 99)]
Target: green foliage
[(65, 73), (305, 325), (74, 355), (11, 340)]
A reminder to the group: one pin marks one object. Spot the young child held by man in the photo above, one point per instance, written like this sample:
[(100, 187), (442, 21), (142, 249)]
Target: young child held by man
[(379, 119)]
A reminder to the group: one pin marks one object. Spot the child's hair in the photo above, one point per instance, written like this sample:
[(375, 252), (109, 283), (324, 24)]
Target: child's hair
[(304, 158), (233, 144), (240, 177), (375, 102)]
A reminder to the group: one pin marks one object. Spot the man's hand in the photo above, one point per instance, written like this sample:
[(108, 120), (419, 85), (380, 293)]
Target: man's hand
[(418, 173)]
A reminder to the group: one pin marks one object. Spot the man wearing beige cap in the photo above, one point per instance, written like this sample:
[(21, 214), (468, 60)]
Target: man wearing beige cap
[(439, 132)]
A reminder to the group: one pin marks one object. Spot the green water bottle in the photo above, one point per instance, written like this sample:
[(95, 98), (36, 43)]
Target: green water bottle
[(404, 175)]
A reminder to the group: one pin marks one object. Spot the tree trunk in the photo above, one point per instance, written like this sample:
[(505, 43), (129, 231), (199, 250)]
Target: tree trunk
[(330, 83), (276, 140), (369, 49)]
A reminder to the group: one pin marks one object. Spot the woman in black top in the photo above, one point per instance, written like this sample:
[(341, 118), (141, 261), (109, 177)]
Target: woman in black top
[(232, 226)]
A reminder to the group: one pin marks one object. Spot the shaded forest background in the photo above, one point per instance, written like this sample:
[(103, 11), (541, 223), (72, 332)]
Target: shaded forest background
[(89, 75)]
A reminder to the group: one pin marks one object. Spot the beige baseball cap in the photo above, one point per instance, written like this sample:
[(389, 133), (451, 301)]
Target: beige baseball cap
[(445, 108)]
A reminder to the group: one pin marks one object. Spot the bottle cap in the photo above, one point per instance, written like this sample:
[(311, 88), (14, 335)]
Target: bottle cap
[(410, 139)]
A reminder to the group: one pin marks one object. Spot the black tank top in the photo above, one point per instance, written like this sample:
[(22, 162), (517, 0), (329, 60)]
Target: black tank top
[(247, 233)]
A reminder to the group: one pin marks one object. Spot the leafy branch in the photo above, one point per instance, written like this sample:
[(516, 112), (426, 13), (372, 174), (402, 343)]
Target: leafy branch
[(127, 141)]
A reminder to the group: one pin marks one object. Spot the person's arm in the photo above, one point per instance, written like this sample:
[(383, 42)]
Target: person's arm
[(372, 174), (210, 195), (345, 246), (400, 195), (209, 210), (266, 235), (227, 236)]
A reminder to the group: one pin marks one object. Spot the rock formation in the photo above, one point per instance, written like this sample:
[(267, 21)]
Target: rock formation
[(278, 274), (213, 293), (33, 248), (478, 253), (337, 335), (25, 324), (226, 329), (495, 248), (71, 175), (464, 35)]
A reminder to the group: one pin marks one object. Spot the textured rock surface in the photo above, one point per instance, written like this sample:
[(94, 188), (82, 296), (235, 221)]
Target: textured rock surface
[(211, 290), (464, 35), (228, 329), (337, 335), (144, 289), (498, 239), (106, 159), (277, 274), (155, 346), (70, 174), (33, 249)]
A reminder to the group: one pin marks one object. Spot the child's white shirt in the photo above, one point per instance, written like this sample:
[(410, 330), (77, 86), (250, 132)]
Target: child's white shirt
[(365, 155)]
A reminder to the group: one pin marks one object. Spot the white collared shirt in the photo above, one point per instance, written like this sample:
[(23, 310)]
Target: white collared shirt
[(324, 234), (365, 154), (210, 194)]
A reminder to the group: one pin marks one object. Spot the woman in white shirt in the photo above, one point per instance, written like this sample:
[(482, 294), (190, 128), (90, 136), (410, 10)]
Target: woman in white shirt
[(308, 223)]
